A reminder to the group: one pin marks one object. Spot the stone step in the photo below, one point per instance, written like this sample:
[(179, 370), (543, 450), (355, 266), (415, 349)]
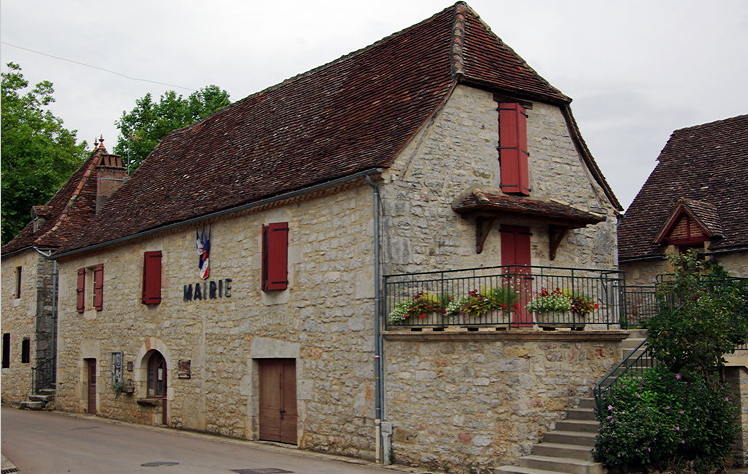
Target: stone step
[(48, 391), (520, 470), (587, 403), (570, 437), (581, 414), (41, 398), (32, 405), (567, 465), (584, 426), (561, 450)]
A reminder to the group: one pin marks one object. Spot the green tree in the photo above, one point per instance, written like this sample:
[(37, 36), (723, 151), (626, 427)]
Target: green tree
[(144, 126), (38, 153), (704, 315)]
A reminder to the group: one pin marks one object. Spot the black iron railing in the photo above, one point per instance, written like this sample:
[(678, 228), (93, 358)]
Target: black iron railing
[(43, 375), (640, 303), (506, 296), (634, 365)]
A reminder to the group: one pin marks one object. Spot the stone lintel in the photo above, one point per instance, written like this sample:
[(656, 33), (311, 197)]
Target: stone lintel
[(511, 335)]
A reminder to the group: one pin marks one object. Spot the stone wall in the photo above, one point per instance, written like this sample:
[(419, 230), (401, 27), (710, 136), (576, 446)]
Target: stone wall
[(26, 317), (737, 376), (470, 402), (456, 152), (323, 320)]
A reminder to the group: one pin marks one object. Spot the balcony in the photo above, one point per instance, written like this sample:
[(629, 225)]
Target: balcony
[(511, 297)]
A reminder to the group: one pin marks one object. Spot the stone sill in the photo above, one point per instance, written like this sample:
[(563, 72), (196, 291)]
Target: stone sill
[(492, 334), (148, 402)]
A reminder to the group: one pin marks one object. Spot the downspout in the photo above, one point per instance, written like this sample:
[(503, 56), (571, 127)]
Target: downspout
[(378, 341)]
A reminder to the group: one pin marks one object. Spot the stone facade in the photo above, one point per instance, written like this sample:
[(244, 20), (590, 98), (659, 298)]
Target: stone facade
[(325, 319), (458, 151), (470, 402), (26, 317)]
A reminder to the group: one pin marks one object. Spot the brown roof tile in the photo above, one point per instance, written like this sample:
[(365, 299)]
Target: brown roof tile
[(480, 202), (705, 165), (351, 115), (67, 214)]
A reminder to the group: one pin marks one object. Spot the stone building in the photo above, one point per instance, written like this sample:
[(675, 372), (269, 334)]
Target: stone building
[(696, 198), (242, 281), (29, 276)]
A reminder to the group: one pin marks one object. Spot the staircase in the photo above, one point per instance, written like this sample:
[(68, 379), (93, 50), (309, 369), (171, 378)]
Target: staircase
[(568, 448), (44, 399)]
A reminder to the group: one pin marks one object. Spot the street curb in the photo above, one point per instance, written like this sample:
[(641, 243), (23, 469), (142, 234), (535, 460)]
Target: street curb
[(8, 467)]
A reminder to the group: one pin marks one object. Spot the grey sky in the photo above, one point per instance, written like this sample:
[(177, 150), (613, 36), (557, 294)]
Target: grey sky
[(637, 70)]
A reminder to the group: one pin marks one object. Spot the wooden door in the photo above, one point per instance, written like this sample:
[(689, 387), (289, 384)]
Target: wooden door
[(278, 416), (91, 381), (515, 250)]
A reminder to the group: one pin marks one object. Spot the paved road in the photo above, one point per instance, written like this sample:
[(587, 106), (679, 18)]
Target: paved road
[(57, 443)]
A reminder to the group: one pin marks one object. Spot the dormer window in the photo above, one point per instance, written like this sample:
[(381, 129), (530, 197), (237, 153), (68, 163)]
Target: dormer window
[(38, 217)]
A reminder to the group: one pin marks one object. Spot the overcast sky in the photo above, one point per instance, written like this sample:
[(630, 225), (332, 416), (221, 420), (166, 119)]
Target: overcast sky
[(637, 69)]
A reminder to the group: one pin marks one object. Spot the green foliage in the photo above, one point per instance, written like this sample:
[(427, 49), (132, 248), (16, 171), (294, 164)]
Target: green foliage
[(144, 126), (38, 153), (704, 315), (662, 420)]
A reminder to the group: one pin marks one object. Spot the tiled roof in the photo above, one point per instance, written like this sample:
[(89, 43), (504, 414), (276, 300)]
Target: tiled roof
[(66, 214), (352, 115), (554, 212), (705, 165)]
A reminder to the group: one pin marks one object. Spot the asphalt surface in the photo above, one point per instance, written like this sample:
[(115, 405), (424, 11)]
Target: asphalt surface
[(52, 443)]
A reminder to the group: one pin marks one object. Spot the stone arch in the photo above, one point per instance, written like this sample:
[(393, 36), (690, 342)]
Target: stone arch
[(140, 374)]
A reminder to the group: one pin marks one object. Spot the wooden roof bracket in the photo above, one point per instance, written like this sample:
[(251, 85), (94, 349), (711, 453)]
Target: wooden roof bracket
[(555, 235), (483, 228)]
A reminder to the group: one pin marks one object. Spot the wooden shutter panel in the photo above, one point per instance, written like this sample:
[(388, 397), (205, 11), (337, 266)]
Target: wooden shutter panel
[(152, 277), (99, 287), (275, 256), (81, 291), (515, 175)]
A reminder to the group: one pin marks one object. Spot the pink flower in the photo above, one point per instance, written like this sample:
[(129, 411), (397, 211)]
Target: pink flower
[(678, 376), (610, 407)]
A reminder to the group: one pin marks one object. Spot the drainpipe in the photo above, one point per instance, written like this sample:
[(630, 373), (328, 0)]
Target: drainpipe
[(378, 341)]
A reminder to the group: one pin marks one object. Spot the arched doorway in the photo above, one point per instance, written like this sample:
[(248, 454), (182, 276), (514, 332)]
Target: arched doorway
[(156, 380)]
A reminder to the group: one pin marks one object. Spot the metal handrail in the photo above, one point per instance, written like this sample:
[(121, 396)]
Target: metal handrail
[(43, 375), (631, 362)]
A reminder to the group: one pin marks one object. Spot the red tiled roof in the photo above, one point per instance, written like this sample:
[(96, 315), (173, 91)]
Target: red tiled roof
[(68, 212), (486, 203), (351, 115), (703, 164)]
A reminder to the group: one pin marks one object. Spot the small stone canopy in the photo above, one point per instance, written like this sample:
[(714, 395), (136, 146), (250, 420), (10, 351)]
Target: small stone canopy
[(487, 207), (690, 221)]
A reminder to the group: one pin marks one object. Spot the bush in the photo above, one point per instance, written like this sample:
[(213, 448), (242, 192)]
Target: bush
[(661, 420)]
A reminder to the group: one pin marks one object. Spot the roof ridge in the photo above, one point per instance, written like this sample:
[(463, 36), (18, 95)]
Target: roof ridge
[(458, 40)]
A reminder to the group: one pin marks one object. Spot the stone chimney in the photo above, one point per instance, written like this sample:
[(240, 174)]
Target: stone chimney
[(111, 173)]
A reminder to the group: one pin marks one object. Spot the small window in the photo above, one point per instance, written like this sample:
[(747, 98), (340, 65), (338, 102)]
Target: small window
[(275, 256), (93, 278), (6, 350), (25, 350), (19, 279), (152, 278)]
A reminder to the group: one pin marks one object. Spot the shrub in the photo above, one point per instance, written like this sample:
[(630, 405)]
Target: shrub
[(661, 420)]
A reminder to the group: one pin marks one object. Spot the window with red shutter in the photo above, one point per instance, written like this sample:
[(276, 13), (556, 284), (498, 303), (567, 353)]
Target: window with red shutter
[(275, 256), (98, 284), (152, 277), (81, 291), (515, 174)]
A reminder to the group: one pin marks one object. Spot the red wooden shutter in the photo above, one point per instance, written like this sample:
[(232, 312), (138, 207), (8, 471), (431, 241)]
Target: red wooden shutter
[(516, 250), (515, 175), (275, 256), (152, 277), (81, 291), (99, 287)]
